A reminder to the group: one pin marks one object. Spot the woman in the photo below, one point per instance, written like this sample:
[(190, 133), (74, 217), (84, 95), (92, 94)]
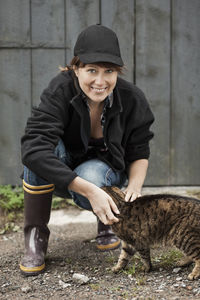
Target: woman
[(91, 129)]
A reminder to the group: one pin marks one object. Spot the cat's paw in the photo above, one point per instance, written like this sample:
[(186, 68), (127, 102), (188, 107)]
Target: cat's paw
[(147, 267), (116, 269), (193, 275)]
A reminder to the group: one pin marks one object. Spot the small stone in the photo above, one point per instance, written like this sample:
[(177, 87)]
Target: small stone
[(80, 278), (179, 278), (196, 291), (189, 287), (63, 284), (26, 289), (176, 270)]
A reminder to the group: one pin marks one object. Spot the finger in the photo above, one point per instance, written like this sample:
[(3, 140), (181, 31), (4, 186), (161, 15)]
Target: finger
[(103, 219), (111, 218), (114, 207), (133, 197), (128, 196)]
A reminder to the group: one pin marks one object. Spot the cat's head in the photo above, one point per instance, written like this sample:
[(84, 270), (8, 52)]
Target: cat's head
[(115, 193)]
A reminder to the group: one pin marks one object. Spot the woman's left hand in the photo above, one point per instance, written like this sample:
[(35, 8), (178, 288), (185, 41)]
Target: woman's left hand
[(131, 194)]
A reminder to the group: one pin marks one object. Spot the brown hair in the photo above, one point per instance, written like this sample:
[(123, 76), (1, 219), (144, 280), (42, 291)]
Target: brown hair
[(79, 64)]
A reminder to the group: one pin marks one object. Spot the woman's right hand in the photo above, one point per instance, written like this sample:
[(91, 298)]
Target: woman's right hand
[(103, 206)]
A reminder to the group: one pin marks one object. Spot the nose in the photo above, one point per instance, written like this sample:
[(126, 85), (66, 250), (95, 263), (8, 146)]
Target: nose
[(99, 79)]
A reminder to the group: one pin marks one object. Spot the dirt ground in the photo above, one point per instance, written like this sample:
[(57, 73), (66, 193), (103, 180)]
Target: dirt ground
[(72, 250)]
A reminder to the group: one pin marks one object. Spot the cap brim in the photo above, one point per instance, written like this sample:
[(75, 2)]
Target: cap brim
[(100, 57)]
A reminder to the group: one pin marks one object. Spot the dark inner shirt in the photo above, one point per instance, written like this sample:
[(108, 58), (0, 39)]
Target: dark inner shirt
[(95, 145)]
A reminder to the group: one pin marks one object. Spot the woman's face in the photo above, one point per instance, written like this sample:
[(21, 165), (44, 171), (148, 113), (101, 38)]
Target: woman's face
[(96, 82)]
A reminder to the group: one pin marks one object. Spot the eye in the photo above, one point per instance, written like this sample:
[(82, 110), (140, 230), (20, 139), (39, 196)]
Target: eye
[(91, 71), (109, 71)]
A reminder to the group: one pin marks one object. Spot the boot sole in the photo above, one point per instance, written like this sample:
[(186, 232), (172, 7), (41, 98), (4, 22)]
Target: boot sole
[(32, 271), (109, 246)]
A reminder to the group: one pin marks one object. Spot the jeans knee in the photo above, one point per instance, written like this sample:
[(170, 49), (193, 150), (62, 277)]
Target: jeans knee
[(93, 171)]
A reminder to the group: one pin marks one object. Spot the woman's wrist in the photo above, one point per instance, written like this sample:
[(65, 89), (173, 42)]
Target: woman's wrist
[(82, 187)]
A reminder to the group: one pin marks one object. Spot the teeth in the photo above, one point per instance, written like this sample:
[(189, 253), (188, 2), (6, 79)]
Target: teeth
[(98, 90)]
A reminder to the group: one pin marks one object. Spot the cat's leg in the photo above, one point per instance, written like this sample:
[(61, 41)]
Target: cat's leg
[(196, 271), (145, 255), (191, 248), (127, 252)]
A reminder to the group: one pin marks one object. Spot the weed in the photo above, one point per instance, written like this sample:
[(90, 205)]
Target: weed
[(169, 258), (141, 280), (10, 226), (130, 270), (136, 266), (11, 198), (58, 202)]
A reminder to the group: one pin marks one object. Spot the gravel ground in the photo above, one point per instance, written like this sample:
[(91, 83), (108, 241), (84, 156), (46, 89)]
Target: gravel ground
[(72, 250)]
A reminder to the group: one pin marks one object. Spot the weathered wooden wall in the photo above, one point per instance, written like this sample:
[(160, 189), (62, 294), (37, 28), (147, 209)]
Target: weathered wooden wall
[(160, 42)]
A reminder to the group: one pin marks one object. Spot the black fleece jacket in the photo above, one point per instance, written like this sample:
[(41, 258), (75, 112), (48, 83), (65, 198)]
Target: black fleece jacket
[(63, 114)]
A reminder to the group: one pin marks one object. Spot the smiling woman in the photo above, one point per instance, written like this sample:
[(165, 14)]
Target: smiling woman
[(91, 129), (96, 82)]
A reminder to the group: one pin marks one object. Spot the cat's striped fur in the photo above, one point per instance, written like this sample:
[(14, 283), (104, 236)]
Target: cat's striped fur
[(152, 219)]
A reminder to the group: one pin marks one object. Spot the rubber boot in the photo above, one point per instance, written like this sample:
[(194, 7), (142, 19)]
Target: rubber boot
[(37, 208), (106, 239)]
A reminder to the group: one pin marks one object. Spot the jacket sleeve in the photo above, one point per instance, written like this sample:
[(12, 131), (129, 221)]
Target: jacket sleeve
[(138, 142), (44, 129)]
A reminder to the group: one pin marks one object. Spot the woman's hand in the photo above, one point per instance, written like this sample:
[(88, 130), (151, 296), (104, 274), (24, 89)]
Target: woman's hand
[(103, 206), (136, 175), (131, 194)]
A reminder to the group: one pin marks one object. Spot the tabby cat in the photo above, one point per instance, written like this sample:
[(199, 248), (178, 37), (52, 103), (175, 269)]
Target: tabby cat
[(168, 219)]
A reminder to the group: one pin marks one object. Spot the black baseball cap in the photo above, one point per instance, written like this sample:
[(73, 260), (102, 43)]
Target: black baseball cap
[(98, 43)]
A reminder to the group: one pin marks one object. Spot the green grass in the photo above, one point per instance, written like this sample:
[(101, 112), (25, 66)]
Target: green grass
[(168, 258), (11, 198)]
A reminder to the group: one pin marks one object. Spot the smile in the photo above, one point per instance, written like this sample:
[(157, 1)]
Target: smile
[(99, 90)]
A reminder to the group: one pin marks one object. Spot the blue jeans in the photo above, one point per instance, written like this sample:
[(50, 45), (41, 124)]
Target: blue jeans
[(92, 170)]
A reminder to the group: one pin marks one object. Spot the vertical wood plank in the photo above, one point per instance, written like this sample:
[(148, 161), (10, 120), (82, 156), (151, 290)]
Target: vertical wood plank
[(153, 77), (185, 151), (48, 23), (14, 22), (79, 15), (45, 65), (15, 107), (119, 16)]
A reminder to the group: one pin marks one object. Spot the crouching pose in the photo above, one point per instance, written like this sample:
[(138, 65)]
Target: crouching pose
[(91, 129)]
